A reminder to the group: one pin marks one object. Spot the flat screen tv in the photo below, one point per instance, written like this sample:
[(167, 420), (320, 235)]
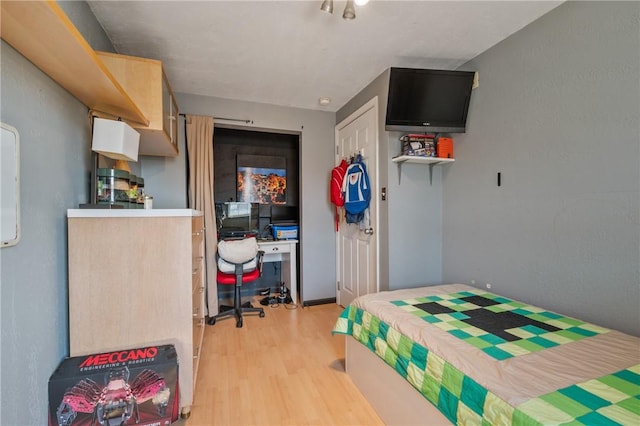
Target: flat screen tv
[(424, 100)]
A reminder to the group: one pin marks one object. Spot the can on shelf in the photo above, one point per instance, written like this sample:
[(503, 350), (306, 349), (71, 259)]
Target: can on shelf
[(148, 202)]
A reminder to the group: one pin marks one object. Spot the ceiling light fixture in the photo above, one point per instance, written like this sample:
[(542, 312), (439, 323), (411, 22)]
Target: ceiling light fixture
[(327, 6), (349, 9), (324, 101)]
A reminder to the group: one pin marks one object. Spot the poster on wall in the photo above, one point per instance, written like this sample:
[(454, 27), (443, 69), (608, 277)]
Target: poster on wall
[(261, 179)]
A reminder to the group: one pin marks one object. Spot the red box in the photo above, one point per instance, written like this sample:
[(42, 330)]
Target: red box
[(128, 387), (445, 147)]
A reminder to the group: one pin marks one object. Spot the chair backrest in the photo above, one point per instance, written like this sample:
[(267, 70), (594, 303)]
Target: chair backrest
[(238, 252)]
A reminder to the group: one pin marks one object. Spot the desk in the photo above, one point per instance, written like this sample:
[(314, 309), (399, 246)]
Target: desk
[(283, 251)]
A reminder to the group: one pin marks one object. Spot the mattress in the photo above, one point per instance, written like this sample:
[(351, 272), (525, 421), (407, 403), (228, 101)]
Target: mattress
[(485, 359)]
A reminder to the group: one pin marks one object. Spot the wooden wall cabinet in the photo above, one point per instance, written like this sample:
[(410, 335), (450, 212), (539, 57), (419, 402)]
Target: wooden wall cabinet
[(42, 33), (146, 83), (135, 89), (136, 278)]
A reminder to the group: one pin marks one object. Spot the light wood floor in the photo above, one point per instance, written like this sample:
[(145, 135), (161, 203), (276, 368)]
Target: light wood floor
[(284, 369)]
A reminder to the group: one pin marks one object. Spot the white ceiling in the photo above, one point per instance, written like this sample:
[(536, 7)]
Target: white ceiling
[(291, 53)]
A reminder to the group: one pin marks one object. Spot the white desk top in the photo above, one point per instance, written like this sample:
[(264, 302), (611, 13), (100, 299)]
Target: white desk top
[(277, 241)]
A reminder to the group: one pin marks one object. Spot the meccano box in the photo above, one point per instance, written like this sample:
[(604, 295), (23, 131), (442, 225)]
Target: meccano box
[(128, 387), (418, 145)]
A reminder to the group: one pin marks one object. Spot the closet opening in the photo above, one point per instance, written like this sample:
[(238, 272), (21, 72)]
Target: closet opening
[(256, 183)]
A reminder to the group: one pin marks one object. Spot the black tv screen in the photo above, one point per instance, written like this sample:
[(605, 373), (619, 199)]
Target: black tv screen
[(425, 100)]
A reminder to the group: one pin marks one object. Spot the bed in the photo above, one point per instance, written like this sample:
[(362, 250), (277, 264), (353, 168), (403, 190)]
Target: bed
[(455, 354)]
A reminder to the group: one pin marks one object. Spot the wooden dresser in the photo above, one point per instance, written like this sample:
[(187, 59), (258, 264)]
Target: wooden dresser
[(136, 277)]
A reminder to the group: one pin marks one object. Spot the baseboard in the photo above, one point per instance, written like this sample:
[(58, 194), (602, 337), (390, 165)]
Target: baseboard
[(318, 302)]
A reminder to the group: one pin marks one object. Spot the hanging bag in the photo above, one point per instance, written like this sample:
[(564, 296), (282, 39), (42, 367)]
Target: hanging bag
[(356, 188), (335, 188)]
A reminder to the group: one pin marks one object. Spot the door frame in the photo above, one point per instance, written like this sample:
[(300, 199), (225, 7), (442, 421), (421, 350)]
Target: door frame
[(371, 104)]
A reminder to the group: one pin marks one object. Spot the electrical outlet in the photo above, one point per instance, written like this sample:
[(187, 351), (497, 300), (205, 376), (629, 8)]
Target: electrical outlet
[(488, 285), (473, 281)]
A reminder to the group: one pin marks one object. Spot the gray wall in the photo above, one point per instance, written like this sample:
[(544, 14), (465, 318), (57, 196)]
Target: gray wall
[(557, 113), (54, 161), (55, 139), (165, 178)]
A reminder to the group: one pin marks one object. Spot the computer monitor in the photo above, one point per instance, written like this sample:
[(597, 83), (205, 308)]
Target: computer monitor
[(284, 214), (236, 219)]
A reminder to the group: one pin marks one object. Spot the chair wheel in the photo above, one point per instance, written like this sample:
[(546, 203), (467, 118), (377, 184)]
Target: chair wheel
[(211, 321), (262, 314), (239, 323)]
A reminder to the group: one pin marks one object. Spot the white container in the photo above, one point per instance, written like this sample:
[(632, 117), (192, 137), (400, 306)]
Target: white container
[(148, 202)]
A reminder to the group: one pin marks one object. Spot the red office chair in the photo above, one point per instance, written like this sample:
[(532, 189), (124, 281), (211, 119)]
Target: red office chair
[(239, 262)]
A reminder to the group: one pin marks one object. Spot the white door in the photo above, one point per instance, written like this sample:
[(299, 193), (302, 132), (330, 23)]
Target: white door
[(357, 246)]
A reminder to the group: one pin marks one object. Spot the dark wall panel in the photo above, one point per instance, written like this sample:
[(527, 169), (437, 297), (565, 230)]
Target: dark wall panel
[(229, 143)]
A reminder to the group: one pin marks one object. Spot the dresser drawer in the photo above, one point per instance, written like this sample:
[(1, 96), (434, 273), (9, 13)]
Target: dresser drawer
[(274, 248)]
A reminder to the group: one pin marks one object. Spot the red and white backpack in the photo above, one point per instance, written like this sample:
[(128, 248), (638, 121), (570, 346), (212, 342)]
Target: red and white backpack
[(335, 188)]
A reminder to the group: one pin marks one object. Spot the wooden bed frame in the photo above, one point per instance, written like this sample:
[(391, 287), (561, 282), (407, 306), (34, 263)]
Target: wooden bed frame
[(390, 395)]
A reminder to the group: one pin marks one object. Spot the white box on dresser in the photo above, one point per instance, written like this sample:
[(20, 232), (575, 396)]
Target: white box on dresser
[(136, 277)]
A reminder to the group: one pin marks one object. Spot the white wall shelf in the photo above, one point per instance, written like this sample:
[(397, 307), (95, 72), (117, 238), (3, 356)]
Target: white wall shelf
[(431, 161)]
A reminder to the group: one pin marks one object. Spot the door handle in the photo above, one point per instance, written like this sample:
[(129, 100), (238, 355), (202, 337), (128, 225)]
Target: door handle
[(368, 231)]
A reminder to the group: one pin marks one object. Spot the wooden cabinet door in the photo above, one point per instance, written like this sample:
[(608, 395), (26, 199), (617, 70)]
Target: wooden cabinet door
[(169, 112)]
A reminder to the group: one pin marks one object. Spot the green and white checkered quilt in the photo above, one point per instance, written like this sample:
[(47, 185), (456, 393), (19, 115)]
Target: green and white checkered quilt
[(525, 335), (611, 399)]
